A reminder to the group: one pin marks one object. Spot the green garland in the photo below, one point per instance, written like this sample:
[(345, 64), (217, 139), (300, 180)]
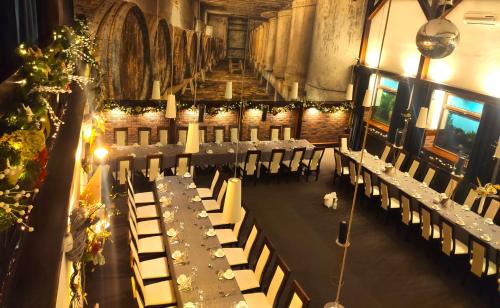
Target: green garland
[(26, 122)]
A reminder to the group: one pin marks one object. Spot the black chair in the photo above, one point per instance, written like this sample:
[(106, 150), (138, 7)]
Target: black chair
[(293, 166), (123, 166), (249, 168), (313, 164), (273, 166), (298, 296), (182, 164)]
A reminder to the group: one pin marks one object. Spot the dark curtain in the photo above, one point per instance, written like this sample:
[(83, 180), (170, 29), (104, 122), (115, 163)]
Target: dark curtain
[(421, 98), (400, 106), (362, 81), (481, 163)]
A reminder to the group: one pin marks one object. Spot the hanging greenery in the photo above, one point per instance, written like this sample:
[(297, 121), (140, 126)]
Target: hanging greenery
[(328, 107), (26, 122)]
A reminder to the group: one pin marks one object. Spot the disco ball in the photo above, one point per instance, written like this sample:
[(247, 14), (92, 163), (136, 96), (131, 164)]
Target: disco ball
[(437, 38)]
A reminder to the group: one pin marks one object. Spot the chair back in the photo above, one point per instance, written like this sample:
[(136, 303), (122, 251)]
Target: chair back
[(276, 159), (429, 175), (384, 193), (278, 281), (352, 172), (124, 165), (214, 181), (130, 186), (400, 160), (252, 161), (471, 198), (203, 134), (182, 135), (219, 134), (154, 164), (144, 136), (287, 133), (221, 194), (492, 210), (133, 231), (406, 212), (297, 157), (263, 260), (479, 256), (275, 133), (426, 222), (298, 297), (252, 237), (254, 132), (368, 183), (182, 164), (338, 163), (163, 135), (413, 168), (343, 142), (315, 161), (451, 187), (240, 223), (233, 131), (121, 136), (447, 236), (385, 153), (138, 280)]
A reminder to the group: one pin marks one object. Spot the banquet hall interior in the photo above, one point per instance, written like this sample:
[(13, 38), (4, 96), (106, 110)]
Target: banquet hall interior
[(249, 154)]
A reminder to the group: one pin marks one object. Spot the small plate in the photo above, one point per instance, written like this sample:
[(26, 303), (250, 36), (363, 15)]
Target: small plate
[(228, 274), (210, 152), (182, 279), (189, 305), (196, 199), (177, 254), (460, 222), (488, 221), (242, 304), (171, 232), (219, 253), (466, 208), (231, 150), (417, 196), (167, 214), (192, 185), (187, 175), (486, 237), (203, 214), (211, 232)]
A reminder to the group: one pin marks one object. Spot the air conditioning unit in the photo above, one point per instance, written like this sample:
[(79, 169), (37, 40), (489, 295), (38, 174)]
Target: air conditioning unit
[(480, 18)]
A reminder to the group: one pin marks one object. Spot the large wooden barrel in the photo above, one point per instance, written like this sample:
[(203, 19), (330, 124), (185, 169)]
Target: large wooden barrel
[(179, 39), (206, 47), (161, 51), (191, 53), (123, 51)]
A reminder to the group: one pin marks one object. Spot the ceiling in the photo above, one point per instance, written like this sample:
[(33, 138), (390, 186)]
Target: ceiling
[(250, 8)]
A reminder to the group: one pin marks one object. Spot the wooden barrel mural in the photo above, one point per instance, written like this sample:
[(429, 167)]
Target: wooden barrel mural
[(179, 40), (191, 50), (161, 51), (123, 51)]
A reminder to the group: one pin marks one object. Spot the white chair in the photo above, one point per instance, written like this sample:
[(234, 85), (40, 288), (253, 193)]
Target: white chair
[(182, 135), (163, 135), (121, 136), (153, 166), (152, 244), (400, 160), (388, 202), (249, 279), (273, 292), (273, 166), (385, 153), (239, 256), (234, 134), (231, 236), (480, 265), (430, 231), (275, 133), (340, 170), (207, 193), (293, 166), (471, 198), (451, 246), (287, 133), (451, 187), (429, 176), (219, 134), (211, 205), (248, 168), (144, 136), (298, 297), (182, 164), (408, 216), (151, 268), (154, 294), (124, 165), (413, 168), (313, 164), (353, 174), (151, 226), (254, 134), (370, 189), (492, 210), (139, 198)]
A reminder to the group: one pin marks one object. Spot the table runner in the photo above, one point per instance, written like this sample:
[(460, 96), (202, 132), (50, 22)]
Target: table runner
[(192, 239), (220, 152), (474, 223)]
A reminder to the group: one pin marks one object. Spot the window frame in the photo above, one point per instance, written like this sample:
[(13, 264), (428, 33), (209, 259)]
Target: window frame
[(380, 87)]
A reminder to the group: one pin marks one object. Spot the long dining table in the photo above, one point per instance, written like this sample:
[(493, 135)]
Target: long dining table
[(193, 250), (467, 222), (211, 153)]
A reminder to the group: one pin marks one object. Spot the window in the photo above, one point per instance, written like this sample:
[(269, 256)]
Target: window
[(458, 125), (385, 100)]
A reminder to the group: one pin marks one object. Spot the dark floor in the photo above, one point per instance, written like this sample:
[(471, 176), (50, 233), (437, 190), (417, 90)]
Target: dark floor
[(383, 269)]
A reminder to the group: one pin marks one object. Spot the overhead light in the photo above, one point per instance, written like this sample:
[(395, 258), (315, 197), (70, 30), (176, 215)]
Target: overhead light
[(156, 91), (170, 112), (232, 203), (367, 100), (193, 139), (229, 90), (100, 154), (422, 118), (349, 91)]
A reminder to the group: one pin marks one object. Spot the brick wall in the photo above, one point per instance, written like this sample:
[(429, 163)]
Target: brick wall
[(316, 126)]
